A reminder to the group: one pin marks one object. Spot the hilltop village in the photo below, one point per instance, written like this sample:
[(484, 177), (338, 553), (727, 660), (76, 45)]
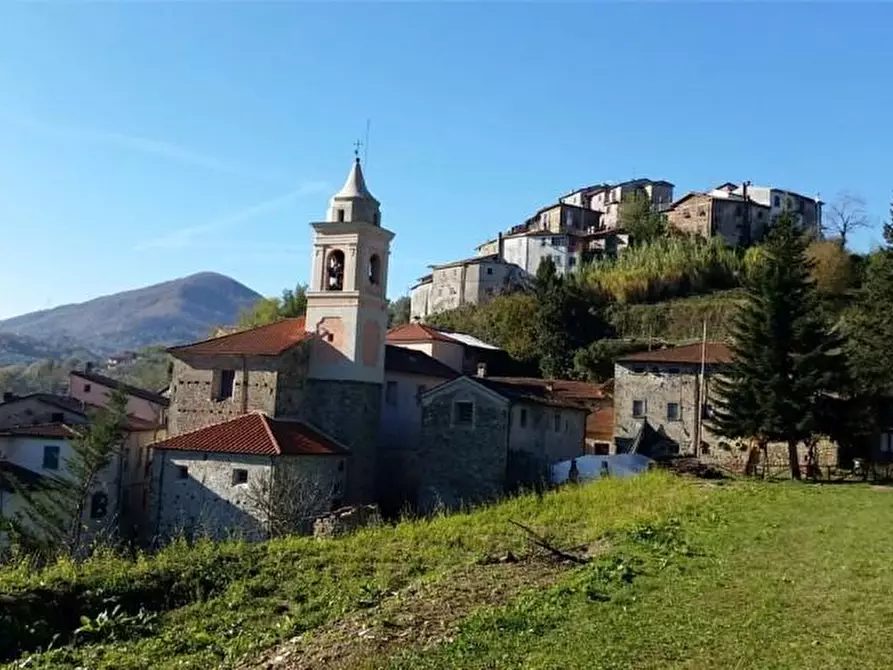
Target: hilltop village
[(269, 429)]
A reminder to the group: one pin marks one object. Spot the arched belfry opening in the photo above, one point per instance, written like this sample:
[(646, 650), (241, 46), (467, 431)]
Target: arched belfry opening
[(374, 270), (335, 270)]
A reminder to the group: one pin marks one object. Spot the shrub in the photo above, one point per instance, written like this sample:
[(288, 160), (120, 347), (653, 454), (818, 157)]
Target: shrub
[(667, 268)]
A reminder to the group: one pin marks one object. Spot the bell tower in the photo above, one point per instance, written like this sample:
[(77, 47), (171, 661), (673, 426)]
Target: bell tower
[(347, 308)]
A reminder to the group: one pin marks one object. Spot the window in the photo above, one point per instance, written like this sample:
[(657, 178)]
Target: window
[(638, 408), (639, 369), (672, 411), (51, 457), (390, 393), (489, 271), (240, 476), (340, 214), (226, 381), (182, 472), (463, 413), (760, 214), (335, 271), (99, 505), (556, 422), (87, 388), (57, 417), (374, 270), (571, 261), (522, 418), (702, 212), (341, 466), (776, 201)]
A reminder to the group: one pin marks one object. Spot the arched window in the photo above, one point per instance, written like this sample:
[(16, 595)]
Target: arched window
[(374, 270), (335, 271)]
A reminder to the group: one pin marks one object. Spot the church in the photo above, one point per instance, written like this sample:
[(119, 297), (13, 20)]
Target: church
[(308, 414)]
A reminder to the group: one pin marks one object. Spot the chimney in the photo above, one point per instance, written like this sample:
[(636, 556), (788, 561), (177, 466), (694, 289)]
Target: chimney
[(482, 370), (500, 246)]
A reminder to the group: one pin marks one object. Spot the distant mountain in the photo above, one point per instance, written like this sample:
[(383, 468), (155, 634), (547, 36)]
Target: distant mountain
[(169, 313)]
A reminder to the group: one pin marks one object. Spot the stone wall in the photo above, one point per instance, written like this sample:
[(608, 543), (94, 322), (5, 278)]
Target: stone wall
[(462, 464), (32, 411), (694, 216), (734, 454), (533, 430), (205, 502), (193, 387), (291, 383), (350, 412)]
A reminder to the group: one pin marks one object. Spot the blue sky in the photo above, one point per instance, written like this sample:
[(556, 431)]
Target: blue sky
[(143, 141)]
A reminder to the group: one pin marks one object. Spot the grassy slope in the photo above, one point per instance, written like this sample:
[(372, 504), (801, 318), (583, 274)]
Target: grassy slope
[(689, 576), (764, 576), (263, 593)]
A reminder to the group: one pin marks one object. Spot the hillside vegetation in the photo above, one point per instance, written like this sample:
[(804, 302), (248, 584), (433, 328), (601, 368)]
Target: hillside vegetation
[(676, 574), (168, 313)]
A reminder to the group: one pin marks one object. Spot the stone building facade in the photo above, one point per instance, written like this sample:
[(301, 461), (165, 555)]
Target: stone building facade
[(734, 219), (607, 198), (481, 437), (656, 397), (223, 481)]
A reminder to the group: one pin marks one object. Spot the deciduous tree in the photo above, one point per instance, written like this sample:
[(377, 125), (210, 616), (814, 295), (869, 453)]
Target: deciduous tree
[(846, 215), (638, 218), (267, 310)]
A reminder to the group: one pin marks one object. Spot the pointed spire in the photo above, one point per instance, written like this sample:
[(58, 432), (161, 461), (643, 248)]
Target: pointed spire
[(355, 186)]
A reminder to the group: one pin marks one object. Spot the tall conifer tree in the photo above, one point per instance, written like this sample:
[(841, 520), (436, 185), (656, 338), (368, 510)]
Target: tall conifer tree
[(784, 355)]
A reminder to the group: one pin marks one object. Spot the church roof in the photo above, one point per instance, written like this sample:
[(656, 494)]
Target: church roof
[(256, 434), (269, 340), (355, 186)]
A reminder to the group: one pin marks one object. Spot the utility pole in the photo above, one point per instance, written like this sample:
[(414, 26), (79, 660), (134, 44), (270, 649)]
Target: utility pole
[(700, 394)]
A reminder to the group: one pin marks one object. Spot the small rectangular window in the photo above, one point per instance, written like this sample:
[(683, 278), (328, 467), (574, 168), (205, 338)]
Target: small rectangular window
[(240, 476), (571, 261), (182, 472), (226, 384), (672, 411), (87, 388), (489, 271), (556, 422), (522, 418), (638, 408), (776, 201), (390, 393), (340, 215), (463, 413), (99, 504), (51, 457)]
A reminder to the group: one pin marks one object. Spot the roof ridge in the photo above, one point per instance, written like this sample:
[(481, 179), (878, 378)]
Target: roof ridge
[(239, 332), (265, 422)]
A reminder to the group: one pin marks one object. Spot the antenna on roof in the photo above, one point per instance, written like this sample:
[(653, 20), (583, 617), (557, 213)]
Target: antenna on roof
[(366, 145)]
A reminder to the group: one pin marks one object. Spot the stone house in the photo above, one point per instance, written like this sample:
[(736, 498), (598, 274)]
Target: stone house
[(807, 210), (480, 437), (659, 391), (736, 220), (223, 480), (656, 397), (471, 281)]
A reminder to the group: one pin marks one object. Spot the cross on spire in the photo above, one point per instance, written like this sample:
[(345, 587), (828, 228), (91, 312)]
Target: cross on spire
[(356, 149)]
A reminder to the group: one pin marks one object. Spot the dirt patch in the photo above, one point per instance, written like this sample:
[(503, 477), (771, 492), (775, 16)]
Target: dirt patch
[(418, 616)]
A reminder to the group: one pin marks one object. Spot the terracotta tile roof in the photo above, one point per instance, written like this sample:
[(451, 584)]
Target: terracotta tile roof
[(269, 340), (409, 361), (717, 353), (134, 391), (256, 434), (49, 430), (529, 393), (600, 424), (416, 332), (564, 388)]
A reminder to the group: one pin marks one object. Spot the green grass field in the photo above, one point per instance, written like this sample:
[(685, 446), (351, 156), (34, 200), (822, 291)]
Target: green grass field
[(680, 573)]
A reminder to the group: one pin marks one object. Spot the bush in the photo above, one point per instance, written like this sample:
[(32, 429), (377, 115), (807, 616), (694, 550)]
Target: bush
[(677, 320), (667, 268)]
